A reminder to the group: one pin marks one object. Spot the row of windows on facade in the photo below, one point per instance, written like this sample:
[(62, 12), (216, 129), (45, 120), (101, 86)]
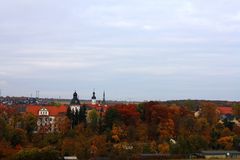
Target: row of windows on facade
[(43, 112)]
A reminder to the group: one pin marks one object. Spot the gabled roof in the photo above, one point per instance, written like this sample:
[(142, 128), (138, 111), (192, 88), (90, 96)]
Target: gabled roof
[(225, 110), (53, 110), (97, 107)]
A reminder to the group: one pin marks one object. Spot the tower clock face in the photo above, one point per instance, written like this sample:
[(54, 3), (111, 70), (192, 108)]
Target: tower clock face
[(76, 101)]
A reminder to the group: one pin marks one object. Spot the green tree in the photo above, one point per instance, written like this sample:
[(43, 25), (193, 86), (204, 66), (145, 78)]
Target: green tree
[(93, 118), (142, 111), (76, 119), (112, 116), (181, 147), (69, 113), (82, 115), (236, 109), (30, 124), (4, 131), (47, 153), (18, 137), (197, 143)]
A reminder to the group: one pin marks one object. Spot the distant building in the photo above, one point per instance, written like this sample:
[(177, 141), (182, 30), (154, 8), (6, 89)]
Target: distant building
[(75, 102), (100, 106), (225, 110), (70, 158), (94, 99), (48, 117), (220, 154)]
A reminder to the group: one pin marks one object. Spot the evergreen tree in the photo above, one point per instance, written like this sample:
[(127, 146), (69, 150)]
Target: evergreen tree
[(72, 118), (69, 114), (83, 115), (112, 116), (76, 119), (79, 115)]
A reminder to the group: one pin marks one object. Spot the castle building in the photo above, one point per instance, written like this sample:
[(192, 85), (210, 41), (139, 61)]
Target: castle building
[(48, 117)]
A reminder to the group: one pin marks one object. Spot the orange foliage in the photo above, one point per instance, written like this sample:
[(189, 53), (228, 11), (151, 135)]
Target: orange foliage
[(6, 150), (226, 142), (166, 129), (164, 148), (128, 113), (118, 133), (6, 112)]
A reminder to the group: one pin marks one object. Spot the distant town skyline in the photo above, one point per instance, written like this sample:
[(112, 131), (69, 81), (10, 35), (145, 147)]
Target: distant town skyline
[(132, 49)]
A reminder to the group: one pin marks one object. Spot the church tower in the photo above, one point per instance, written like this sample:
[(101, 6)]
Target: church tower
[(104, 99), (94, 99), (75, 103)]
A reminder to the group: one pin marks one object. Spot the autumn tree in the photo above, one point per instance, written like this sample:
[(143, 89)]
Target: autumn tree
[(202, 127), (128, 113), (141, 109), (160, 120), (118, 133), (209, 111), (30, 124), (236, 109), (47, 153), (226, 142), (18, 137), (93, 118), (63, 125), (4, 129)]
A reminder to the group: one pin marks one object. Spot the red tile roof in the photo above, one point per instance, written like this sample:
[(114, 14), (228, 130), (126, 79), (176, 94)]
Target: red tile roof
[(225, 110), (97, 106), (53, 110)]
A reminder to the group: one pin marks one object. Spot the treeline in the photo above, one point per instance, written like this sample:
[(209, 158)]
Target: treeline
[(124, 131)]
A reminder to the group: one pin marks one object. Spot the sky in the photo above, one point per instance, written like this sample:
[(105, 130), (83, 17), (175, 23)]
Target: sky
[(133, 49)]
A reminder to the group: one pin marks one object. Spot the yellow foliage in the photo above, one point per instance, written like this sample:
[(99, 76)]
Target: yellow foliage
[(118, 133)]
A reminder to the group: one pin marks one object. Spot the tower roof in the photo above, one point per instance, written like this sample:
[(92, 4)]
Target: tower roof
[(75, 100), (104, 98), (94, 96)]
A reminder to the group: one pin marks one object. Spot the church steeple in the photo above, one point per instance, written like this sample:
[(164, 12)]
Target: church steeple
[(94, 99), (75, 100), (104, 100), (75, 103)]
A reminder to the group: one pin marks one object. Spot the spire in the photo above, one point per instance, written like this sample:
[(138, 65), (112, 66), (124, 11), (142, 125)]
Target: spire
[(75, 94), (104, 100)]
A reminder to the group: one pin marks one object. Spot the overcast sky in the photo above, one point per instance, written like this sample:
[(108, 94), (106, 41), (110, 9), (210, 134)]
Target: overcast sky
[(133, 49)]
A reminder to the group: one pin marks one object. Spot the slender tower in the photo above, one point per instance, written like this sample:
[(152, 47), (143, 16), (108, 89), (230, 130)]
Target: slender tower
[(94, 99), (104, 100)]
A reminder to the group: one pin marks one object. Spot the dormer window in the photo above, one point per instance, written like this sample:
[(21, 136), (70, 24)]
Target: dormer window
[(43, 112)]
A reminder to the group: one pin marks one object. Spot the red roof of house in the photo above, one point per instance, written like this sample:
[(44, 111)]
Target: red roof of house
[(225, 110), (98, 107), (53, 110)]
